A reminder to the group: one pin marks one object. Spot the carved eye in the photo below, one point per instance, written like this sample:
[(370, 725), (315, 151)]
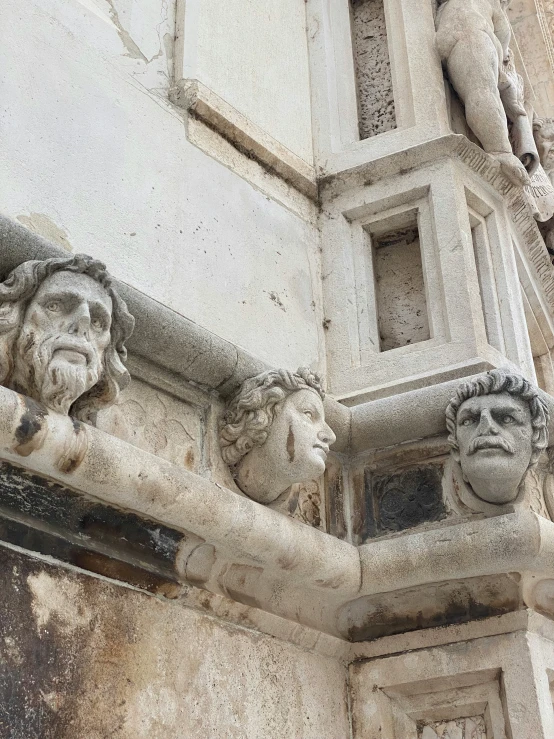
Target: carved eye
[(508, 419), (309, 414), (466, 422), (97, 324), (54, 306)]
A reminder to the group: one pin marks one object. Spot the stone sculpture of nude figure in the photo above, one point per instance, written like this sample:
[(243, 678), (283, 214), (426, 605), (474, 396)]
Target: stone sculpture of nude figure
[(473, 39)]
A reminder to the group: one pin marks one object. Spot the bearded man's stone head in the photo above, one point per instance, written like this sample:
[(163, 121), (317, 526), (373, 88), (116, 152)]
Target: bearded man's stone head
[(63, 329), (498, 427)]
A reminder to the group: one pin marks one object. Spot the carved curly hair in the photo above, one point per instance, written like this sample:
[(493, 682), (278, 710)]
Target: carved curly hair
[(251, 411), (499, 381), (18, 290)]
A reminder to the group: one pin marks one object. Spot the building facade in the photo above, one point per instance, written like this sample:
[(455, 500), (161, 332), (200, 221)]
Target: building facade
[(197, 538)]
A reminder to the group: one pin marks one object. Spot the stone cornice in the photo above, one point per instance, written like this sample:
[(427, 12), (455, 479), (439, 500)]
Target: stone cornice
[(238, 548)]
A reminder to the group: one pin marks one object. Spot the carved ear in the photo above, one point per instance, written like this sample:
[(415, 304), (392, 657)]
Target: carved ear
[(455, 454)]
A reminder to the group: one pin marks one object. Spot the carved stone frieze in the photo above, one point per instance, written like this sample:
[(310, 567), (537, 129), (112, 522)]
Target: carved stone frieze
[(517, 201), (63, 329), (498, 427), (274, 434)]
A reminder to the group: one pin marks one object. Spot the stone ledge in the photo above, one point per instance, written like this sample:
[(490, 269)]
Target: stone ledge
[(195, 97), (234, 547), (237, 547), (165, 337)]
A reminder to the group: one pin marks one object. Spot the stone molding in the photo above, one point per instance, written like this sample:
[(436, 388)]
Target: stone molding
[(245, 135), (519, 207), (178, 344), (253, 554), (544, 14), (194, 355)]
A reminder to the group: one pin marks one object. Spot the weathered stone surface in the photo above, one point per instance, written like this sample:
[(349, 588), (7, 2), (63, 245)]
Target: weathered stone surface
[(375, 93), (396, 502), (401, 298), (274, 434), (159, 423), (84, 658)]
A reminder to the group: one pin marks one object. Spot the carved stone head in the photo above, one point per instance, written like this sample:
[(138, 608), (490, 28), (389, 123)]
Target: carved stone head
[(274, 433), (63, 329), (498, 426)]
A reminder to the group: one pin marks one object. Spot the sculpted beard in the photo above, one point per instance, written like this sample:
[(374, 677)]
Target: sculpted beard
[(57, 382)]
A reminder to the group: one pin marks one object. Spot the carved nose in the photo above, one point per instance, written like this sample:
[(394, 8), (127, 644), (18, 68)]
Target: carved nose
[(80, 324), (487, 426), (327, 435)]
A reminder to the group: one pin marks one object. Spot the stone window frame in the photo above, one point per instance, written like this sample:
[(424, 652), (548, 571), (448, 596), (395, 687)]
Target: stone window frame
[(417, 81), (489, 676), (357, 373), (412, 213)]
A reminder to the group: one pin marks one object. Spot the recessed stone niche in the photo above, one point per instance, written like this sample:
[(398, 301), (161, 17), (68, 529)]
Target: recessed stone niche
[(400, 289), (376, 108), (403, 500), (480, 233)]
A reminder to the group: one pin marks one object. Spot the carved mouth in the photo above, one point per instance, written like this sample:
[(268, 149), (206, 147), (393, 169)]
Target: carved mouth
[(324, 448), (74, 353), (484, 444)]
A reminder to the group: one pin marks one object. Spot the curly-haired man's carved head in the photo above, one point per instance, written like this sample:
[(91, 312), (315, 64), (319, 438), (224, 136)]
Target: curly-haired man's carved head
[(274, 433), (498, 427), (63, 329)]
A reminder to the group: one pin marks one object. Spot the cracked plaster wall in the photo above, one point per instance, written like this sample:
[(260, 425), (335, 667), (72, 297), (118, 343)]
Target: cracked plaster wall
[(96, 155)]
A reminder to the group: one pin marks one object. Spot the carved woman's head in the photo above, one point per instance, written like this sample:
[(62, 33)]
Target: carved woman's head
[(63, 329), (274, 433)]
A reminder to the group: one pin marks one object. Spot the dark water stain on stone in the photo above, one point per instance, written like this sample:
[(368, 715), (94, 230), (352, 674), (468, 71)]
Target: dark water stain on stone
[(31, 432), (76, 448), (290, 444), (430, 606), (39, 667)]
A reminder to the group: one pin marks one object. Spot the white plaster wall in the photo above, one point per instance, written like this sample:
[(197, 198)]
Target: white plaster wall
[(96, 158), (254, 54)]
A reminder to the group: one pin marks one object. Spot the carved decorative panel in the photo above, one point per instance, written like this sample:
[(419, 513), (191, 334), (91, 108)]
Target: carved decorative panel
[(403, 500), (463, 728), (157, 422)]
